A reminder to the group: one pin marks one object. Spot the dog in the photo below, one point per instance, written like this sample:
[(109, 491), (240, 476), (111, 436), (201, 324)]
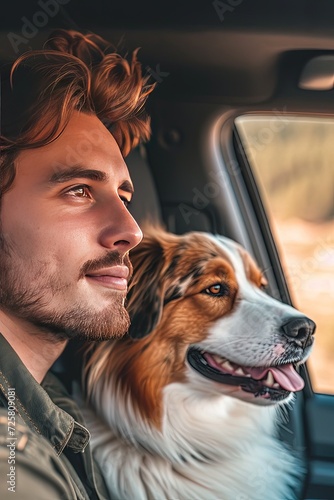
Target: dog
[(188, 399)]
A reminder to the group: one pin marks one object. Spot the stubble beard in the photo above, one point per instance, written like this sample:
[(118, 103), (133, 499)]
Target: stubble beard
[(26, 295)]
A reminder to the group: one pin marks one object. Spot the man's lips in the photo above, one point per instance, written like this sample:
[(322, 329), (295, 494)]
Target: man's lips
[(115, 277)]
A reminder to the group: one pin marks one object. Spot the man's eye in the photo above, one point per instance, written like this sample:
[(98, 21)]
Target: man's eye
[(81, 191)]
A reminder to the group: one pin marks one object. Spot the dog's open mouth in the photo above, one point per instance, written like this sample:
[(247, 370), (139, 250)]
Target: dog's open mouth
[(274, 382)]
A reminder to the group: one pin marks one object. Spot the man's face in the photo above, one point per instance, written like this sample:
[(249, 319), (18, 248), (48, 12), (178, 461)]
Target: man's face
[(66, 233)]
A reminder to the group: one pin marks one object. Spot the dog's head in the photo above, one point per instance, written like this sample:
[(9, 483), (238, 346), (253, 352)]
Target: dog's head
[(199, 300)]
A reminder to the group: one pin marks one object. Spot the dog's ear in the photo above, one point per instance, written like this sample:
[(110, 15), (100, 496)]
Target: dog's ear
[(252, 270), (146, 292)]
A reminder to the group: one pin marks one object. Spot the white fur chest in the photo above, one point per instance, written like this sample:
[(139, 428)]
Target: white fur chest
[(210, 448)]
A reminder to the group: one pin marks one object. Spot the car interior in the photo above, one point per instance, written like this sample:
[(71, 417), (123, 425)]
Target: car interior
[(231, 77)]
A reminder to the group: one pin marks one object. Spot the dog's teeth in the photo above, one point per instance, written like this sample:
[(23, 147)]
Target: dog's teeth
[(227, 366), (203, 361), (218, 359), (276, 385), (239, 371), (269, 381)]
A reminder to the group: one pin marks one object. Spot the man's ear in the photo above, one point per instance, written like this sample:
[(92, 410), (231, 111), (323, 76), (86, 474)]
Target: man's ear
[(146, 293)]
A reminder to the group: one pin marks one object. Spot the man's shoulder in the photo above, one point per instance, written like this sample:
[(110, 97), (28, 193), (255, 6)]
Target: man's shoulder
[(28, 465)]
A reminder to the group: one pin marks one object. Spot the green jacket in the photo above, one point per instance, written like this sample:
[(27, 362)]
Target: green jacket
[(44, 445)]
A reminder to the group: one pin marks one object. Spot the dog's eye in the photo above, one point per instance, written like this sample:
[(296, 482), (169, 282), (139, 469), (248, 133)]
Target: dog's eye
[(218, 290)]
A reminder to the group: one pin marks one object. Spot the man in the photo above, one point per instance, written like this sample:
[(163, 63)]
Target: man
[(70, 114)]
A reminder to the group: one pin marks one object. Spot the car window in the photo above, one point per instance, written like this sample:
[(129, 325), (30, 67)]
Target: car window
[(292, 163)]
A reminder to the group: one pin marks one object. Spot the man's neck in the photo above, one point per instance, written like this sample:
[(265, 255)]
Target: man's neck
[(36, 351)]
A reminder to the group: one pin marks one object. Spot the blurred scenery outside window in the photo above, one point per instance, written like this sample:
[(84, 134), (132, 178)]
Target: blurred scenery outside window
[(292, 159)]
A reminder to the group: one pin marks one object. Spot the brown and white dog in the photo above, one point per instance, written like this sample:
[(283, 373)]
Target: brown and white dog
[(189, 403)]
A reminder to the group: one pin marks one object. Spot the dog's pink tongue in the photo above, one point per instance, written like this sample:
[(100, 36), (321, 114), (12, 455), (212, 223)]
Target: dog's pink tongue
[(285, 375)]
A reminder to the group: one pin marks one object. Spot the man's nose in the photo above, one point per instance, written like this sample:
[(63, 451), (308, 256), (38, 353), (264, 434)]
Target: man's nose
[(121, 232)]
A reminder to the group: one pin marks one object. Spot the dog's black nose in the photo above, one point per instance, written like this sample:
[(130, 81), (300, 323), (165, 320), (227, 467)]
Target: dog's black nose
[(299, 330)]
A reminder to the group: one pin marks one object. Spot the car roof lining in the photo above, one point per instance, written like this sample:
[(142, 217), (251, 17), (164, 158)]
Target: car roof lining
[(236, 61)]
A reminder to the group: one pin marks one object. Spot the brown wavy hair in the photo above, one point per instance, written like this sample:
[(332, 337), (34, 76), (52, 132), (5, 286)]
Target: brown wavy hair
[(73, 72)]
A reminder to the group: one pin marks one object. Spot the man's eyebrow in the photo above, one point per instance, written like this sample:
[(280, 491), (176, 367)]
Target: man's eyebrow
[(69, 173)]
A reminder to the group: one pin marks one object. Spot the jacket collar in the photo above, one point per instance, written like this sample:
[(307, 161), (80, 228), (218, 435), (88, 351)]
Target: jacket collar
[(40, 405)]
